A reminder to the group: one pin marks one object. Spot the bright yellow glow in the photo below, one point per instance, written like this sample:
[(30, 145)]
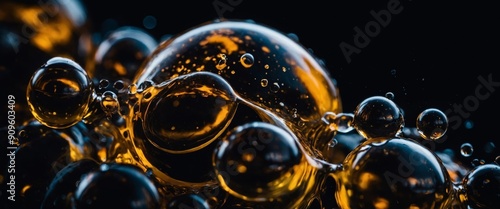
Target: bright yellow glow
[(381, 203), (365, 179), (229, 44), (45, 31)]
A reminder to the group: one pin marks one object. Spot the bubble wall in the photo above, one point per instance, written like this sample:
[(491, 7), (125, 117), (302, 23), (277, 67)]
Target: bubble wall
[(235, 112)]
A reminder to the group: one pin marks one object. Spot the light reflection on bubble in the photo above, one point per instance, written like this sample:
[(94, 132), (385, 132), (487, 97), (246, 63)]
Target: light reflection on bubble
[(466, 149)]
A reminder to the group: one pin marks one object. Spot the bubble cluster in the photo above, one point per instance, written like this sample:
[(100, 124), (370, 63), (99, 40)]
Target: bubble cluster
[(228, 114)]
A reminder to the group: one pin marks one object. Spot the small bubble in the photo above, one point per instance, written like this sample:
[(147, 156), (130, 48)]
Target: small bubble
[(393, 72), (109, 102), (432, 124), (477, 162), (332, 143), (466, 149), (378, 116), (497, 160), (264, 82), (247, 60), (222, 61), (103, 83), (389, 95), (118, 85), (275, 87)]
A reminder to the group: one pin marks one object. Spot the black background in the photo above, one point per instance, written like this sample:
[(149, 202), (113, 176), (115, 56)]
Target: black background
[(429, 55)]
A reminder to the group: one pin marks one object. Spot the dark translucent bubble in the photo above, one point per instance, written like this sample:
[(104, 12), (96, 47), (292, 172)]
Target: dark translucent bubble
[(43, 153), (189, 112), (64, 184), (393, 173), (378, 116), (466, 149), (305, 89), (389, 95), (482, 186), (247, 60), (59, 93), (116, 186), (121, 53), (432, 124), (260, 162)]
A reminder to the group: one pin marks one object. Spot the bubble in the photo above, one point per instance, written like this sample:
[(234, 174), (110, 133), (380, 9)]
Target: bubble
[(432, 124), (466, 149), (389, 95), (119, 85), (98, 189), (59, 93), (64, 184), (497, 160), (482, 186), (103, 83), (121, 53), (262, 162), (378, 116), (477, 162), (42, 155), (392, 172), (264, 82), (200, 49), (247, 60), (189, 112), (109, 103)]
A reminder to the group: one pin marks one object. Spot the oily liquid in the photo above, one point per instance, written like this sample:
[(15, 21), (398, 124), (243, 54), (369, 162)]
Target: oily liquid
[(243, 117)]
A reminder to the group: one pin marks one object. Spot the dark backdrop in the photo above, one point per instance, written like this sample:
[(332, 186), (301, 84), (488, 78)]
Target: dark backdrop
[(429, 54)]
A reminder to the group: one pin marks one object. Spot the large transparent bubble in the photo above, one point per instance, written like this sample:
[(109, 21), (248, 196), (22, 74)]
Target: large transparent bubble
[(263, 66)]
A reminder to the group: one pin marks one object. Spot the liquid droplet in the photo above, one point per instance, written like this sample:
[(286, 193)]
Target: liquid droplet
[(267, 165), (275, 87), (389, 95), (482, 186), (395, 173), (247, 60), (264, 82), (466, 149), (60, 81), (378, 116), (432, 124)]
